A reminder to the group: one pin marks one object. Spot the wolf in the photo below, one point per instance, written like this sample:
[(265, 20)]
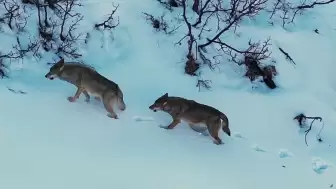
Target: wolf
[(89, 81), (193, 113)]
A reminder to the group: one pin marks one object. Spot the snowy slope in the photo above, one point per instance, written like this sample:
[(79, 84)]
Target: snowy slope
[(48, 143)]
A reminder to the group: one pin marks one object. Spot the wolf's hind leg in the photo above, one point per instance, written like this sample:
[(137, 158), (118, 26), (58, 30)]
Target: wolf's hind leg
[(87, 96)]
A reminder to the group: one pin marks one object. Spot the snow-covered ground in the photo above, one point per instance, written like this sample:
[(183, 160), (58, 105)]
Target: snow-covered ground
[(48, 143)]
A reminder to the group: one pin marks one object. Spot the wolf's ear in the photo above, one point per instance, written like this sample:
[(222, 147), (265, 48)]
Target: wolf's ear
[(61, 62), (165, 95)]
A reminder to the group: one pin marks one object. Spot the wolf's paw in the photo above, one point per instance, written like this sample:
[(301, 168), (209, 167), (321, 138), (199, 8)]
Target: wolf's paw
[(71, 99), (87, 100), (217, 142), (113, 116), (164, 127)]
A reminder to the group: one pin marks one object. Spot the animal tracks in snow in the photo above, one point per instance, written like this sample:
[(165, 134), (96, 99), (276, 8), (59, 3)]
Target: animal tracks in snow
[(257, 148), (142, 118), (319, 165), (284, 153), (238, 135)]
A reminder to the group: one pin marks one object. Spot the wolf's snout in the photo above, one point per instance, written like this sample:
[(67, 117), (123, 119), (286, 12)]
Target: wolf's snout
[(152, 108), (49, 76)]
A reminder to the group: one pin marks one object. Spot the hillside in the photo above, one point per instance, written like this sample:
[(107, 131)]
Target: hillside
[(46, 142)]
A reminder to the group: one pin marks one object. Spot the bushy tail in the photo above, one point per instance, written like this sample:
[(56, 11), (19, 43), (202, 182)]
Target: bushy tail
[(225, 124)]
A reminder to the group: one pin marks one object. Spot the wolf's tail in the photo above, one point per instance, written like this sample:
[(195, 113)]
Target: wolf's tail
[(225, 124)]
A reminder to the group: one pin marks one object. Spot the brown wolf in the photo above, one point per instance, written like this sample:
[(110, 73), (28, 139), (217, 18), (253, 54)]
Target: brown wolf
[(193, 113), (87, 80)]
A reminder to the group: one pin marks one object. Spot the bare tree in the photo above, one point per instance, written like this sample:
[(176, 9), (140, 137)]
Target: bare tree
[(18, 51), (191, 65), (66, 22), (288, 11), (160, 24), (228, 19), (32, 47), (169, 4), (231, 16), (14, 15), (57, 24), (228, 16), (110, 22), (68, 13)]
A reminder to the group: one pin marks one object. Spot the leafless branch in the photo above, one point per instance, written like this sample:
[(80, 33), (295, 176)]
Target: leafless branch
[(252, 58), (191, 65), (68, 12), (301, 118), (109, 22), (14, 16), (32, 47), (160, 24), (168, 4), (234, 14), (18, 52), (288, 11), (202, 11), (288, 57), (201, 83)]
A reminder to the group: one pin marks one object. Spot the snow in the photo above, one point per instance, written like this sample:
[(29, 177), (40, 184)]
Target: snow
[(48, 143), (284, 153), (142, 118), (319, 165)]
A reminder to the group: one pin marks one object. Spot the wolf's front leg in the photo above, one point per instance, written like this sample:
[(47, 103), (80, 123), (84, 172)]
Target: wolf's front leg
[(108, 104), (76, 96), (173, 124)]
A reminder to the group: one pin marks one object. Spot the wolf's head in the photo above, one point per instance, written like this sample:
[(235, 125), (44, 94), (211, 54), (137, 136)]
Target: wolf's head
[(55, 70), (159, 103)]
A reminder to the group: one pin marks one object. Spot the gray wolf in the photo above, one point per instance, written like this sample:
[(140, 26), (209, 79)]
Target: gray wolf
[(193, 113), (89, 81)]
